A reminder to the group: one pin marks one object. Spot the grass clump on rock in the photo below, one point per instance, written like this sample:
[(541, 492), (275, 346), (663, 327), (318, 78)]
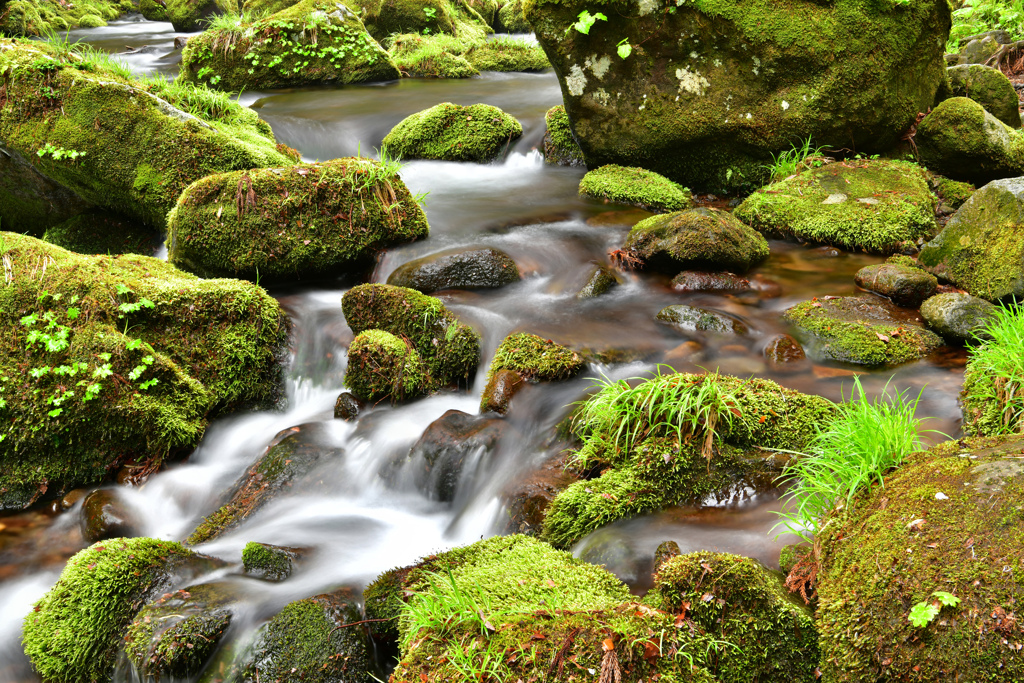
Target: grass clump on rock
[(635, 186), (993, 391), (452, 132)]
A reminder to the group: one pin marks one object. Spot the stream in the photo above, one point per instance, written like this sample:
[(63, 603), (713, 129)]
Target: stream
[(359, 525)]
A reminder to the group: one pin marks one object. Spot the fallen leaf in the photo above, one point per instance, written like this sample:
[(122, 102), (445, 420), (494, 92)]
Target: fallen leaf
[(608, 644), (881, 336)]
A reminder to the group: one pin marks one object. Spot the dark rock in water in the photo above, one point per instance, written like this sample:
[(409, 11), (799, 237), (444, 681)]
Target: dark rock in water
[(451, 132), (958, 317), (784, 353), (270, 562), (600, 281), (526, 357), (105, 514), (665, 551), (484, 268), (348, 406), (962, 141), (692, 319), (32, 201), (700, 281), (443, 449), (988, 87), (903, 285), (527, 499), (294, 453), (560, 146), (500, 389)]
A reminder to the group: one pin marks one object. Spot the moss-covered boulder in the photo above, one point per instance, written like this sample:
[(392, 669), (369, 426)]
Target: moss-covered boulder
[(958, 317), (695, 239), (127, 147), (902, 284), (512, 18), (314, 41), (743, 78), (953, 193), (383, 366), (947, 520), (981, 249), (104, 233), (560, 147), (647, 465), (75, 631), (988, 87), (461, 19), (310, 221), (875, 205), (635, 186), (120, 359), (431, 56), (961, 140), (481, 268), (193, 15), (740, 601), (30, 18), (507, 54), (154, 10), (269, 562), (865, 331), (452, 132), (439, 351), (523, 358)]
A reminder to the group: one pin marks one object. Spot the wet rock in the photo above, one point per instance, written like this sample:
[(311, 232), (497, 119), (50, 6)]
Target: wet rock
[(962, 141), (348, 406), (560, 146), (451, 132), (500, 389), (270, 562), (692, 319), (981, 48), (860, 330), (988, 87), (636, 186), (443, 450), (981, 249), (903, 285), (784, 353), (485, 268), (665, 551), (105, 514), (293, 453), (601, 280), (875, 205), (700, 281), (958, 317), (688, 350), (697, 239), (528, 498), (524, 357), (72, 497)]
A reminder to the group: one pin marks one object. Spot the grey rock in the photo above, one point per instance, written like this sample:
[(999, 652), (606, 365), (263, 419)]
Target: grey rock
[(958, 317), (693, 319), (903, 285)]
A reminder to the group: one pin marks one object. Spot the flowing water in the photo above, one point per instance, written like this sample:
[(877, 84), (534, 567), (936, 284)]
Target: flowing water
[(357, 523)]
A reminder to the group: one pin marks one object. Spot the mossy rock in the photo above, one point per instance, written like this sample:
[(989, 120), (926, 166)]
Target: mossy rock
[(875, 205), (507, 54), (635, 186), (189, 16), (452, 132), (859, 330), (950, 520), (337, 216), (104, 233), (953, 193), (269, 562), (153, 10), (437, 56), (264, 8), (454, 18), (28, 18), (75, 631), (312, 42), (695, 239), (138, 145), (744, 78), (480, 268), (742, 602), (601, 280), (536, 359), (988, 87), (981, 249), (186, 350), (962, 141), (382, 366), (902, 284), (512, 19), (958, 317), (560, 147)]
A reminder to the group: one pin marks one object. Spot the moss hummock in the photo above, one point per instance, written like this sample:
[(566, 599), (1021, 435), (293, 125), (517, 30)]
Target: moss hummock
[(874, 205), (560, 147), (536, 359), (512, 18), (635, 186), (507, 54), (270, 562), (193, 15), (31, 18), (310, 221), (452, 132), (431, 56), (989, 87), (953, 192), (382, 366), (961, 140)]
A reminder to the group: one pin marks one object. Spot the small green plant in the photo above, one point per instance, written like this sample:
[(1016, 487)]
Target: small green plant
[(786, 163), (624, 49), (978, 16), (445, 609), (924, 612), (585, 21), (431, 12), (1001, 357), (59, 153)]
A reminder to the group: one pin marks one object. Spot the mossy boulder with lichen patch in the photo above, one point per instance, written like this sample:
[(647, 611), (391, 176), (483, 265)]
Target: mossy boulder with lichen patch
[(29, 18), (452, 132), (988, 87), (742, 77), (121, 359), (309, 221), (876, 205), (75, 631), (962, 141), (949, 520), (560, 147), (635, 186), (136, 146), (522, 358)]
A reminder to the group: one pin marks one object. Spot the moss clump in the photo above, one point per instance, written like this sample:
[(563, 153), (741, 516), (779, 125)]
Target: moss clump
[(750, 607), (560, 147), (536, 359), (877, 206), (857, 330), (512, 18), (635, 186), (461, 19), (380, 365), (268, 561), (120, 379), (440, 56), (28, 18), (954, 193), (101, 233), (153, 10), (314, 41), (336, 216), (902, 542), (75, 631), (961, 140), (507, 54), (989, 88), (192, 15), (139, 144), (452, 132)]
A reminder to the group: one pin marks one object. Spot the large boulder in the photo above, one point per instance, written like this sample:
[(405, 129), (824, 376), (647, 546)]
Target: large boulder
[(635, 186), (961, 140), (988, 87), (480, 268), (879, 206), (981, 249), (451, 132), (192, 15), (121, 359), (314, 41), (311, 221), (95, 138), (743, 79), (947, 520)]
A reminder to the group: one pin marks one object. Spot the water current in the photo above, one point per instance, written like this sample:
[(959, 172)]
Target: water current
[(357, 524)]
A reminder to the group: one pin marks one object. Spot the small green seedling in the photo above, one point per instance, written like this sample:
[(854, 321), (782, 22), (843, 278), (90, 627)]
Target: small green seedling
[(624, 48), (924, 612), (585, 21)]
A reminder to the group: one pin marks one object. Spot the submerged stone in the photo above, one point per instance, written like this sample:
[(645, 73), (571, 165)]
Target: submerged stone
[(105, 514), (903, 285), (701, 281), (635, 186), (270, 562), (441, 453), (962, 141), (484, 268), (696, 239), (693, 319), (451, 132), (784, 353), (958, 317)]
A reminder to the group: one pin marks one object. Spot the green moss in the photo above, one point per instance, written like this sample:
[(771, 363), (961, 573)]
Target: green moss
[(337, 216), (452, 132), (536, 359), (959, 139), (507, 54), (877, 206), (74, 633), (98, 233), (954, 193), (381, 366), (635, 186), (267, 561), (560, 147), (989, 87), (25, 17), (193, 15), (213, 345), (455, 18), (436, 56), (153, 10), (512, 18)]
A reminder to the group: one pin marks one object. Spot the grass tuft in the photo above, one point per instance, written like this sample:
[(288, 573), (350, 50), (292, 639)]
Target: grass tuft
[(786, 163), (1001, 359)]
